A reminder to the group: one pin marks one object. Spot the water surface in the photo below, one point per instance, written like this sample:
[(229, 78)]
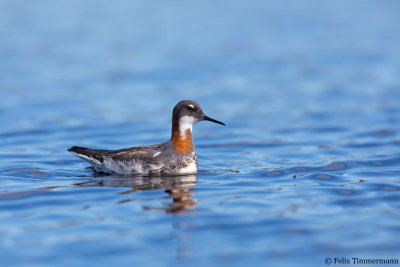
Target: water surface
[(306, 168)]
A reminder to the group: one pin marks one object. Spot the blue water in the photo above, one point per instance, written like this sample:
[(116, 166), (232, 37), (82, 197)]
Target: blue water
[(308, 166)]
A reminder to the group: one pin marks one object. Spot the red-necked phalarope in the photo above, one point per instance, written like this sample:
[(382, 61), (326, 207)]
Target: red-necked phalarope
[(177, 156)]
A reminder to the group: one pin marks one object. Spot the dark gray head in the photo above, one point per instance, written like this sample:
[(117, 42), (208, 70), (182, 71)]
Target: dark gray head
[(190, 112)]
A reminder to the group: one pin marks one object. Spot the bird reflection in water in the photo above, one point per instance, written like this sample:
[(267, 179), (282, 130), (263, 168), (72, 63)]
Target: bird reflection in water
[(177, 187)]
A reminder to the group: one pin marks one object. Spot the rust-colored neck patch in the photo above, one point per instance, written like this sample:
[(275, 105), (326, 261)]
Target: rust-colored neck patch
[(182, 143)]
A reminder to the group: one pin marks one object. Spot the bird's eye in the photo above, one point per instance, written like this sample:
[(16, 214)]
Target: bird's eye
[(190, 107)]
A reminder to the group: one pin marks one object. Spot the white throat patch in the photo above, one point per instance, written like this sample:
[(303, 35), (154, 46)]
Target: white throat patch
[(186, 122)]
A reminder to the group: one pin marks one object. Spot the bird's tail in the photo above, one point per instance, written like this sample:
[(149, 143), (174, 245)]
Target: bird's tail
[(88, 154)]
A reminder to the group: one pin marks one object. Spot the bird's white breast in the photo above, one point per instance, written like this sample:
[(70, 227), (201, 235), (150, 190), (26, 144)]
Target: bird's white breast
[(189, 168)]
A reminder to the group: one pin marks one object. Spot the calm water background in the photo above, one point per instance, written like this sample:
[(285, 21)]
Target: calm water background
[(307, 166)]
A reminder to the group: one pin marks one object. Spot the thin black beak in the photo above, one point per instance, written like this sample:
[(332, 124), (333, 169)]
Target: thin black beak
[(206, 118)]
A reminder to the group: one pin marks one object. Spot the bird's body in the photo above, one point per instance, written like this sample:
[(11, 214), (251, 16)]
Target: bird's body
[(158, 159), (174, 157)]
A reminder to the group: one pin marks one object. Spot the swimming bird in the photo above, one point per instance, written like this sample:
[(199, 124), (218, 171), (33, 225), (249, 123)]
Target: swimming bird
[(174, 157)]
